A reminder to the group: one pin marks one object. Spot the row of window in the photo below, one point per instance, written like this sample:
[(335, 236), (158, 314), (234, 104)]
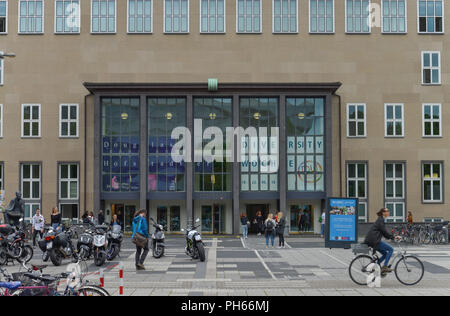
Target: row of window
[(394, 186), (393, 16), (394, 125), (31, 187)]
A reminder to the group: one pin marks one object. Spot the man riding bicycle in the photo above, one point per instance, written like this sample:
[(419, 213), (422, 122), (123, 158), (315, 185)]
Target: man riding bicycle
[(374, 236)]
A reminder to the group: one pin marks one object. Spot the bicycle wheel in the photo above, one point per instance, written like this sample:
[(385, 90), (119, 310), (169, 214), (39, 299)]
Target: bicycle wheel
[(358, 269), (92, 290), (409, 270)]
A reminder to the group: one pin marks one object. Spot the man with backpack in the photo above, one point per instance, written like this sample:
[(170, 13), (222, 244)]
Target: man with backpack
[(270, 225)]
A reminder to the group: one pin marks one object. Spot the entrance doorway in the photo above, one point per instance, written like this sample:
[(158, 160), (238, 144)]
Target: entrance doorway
[(252, 210), (213, 219), (302, 218), (125, 215)]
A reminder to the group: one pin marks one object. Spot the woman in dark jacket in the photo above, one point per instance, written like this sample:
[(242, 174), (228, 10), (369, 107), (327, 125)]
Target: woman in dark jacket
[(281, 225), (259, 223), (373, 239)]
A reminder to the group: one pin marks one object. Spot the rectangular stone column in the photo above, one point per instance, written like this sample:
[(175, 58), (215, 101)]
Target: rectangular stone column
[(189, 165), (282, 155), (143, 140), (236, 171)]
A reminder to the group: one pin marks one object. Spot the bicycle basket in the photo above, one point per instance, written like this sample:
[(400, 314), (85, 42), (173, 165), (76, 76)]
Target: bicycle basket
[(360, 249)]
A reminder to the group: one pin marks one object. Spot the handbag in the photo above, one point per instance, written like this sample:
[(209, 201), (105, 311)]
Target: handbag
[(139, 240)]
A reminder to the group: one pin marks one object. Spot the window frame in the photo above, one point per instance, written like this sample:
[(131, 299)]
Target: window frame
[(1, 120), (69, 120), (432, 120), (394, 120), (440, 179), (31, 180), (361, 200), (79, 19), (6, 21), (382, 19), (334, 20), (394, 179), (39, 121), (296, 19), (2, 175), (434, 16), (260, 20), (152, 17), (368, 19), (356, 120), (224, 19), (19, 16), (92, 17), (431, 68), (188, 19), (68, 180)]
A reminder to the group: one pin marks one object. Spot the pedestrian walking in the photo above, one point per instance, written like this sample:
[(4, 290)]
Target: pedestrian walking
[(307, 224), (140, 238), (322, 221), (244, 223), (37, 226), (410, 219), (101, 217), (259, 223), (281, 225), (302, 220), (56, 220), (270, 226)]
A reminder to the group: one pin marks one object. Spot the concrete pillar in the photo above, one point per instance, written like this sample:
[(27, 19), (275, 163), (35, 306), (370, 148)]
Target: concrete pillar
[(236, 171), (143, 140), (189, 165), (282, 155)]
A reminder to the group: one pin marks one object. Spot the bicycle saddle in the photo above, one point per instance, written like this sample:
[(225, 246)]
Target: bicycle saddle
[(10, 285), (43, 278)]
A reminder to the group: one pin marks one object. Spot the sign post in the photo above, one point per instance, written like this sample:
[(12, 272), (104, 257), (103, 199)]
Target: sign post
[(341, 223)]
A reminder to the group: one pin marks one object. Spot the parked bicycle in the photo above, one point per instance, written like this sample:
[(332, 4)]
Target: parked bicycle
[(409, 269)]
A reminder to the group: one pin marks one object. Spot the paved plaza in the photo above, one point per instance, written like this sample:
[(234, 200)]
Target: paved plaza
[(235, 267)]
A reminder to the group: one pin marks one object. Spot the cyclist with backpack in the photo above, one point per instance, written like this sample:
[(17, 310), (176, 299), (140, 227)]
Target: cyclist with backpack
[(270, 225)]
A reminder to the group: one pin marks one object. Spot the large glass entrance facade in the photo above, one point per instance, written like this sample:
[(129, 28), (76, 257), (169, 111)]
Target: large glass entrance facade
[(213, 219)]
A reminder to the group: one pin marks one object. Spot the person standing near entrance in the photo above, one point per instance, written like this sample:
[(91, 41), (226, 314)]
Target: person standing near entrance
[(323, 218), (140, 238), (101, 217), (301, 222), (56, 220), (307, 224), (37, 226), (259, 223), (270, 226), (244, 223), (281, 225)]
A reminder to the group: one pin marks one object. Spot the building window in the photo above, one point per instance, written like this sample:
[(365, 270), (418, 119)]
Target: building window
[(431, 68), (212, 16), (140, 16), (31, 16), (1, 72), (120, 136), (285, 16), (103, 16), (394, 195), (31, 181), (217, 174), (433, 220), (30, 211), (357, 186), (1, 176), (67, 16), (431, 16), (31, 120), (394, 126), (321, 13), (249, 16), (69, 212), (1, 120), (356, 120), (432, 126), (68, 120), (164, 115), (3, 17), (169, 217), (305, 144), (176, 16), (68, 181), (432, 182), (394, 16), (259, 172), (358, 16)]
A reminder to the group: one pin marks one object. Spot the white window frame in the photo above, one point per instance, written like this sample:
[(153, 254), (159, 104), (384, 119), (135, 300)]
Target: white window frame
[(151, 17), (2, 71), (397, 17), (6, 19), (31, 120), (395, 218), (1, 120), (432, 179), (2, 172), (357, 179), (260, 19), (431, 120), (224, 18), (289, 17), (334, 20), (19, 16), (69, 180), (188, 18), (69, 120), (418, 19), (433, 220), (394, 180), (353, 17), (107, 17), (356, 120), (65, 17), (31, 180), (431, 67), (394, 120), (363, 219)]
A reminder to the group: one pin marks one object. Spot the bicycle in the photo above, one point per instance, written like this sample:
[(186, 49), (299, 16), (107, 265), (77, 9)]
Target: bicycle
[(409, 269)]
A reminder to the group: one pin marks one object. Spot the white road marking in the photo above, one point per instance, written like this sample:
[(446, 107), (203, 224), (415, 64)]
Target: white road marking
[(334, 258), (243, 243), (265, 265), (211, 264)]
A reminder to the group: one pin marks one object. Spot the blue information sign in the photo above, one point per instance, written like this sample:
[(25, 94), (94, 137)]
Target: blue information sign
[(341, 222)]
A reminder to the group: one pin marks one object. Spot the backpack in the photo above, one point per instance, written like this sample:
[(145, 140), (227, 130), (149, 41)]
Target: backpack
[(270, 226)]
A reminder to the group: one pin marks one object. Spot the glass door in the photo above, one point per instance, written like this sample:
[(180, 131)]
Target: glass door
[(302, 218), (207, 219), (118, 209), (130, 210), (175, 219), (161, 216)]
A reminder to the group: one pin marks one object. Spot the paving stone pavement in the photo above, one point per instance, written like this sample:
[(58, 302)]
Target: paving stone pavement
[(237, 267)]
